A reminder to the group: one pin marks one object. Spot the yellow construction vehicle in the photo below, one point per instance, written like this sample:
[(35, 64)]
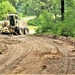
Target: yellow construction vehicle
[(14, 25)]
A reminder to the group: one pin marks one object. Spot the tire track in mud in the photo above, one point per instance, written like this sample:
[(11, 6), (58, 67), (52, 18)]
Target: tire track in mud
[(36, 49), (7, 57), (12, 65), (11, 50), (65, 57), (38, 46), (44, 52), (57, 47), (64, 51)]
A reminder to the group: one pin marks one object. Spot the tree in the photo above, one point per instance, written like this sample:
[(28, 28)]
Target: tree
[(3, 0), (6, 8), (62, 10), (31, 7), (14, 2)]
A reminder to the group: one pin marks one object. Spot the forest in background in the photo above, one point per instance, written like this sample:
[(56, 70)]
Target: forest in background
[(48, 14)]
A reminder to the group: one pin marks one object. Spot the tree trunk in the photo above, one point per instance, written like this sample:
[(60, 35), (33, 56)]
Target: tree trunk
[(62, 10)]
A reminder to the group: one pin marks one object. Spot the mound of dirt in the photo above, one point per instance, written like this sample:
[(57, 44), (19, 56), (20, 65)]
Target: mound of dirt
[(36, 55)]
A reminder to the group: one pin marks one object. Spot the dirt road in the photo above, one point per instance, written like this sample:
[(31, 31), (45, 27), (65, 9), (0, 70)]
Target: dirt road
[(36, 55)]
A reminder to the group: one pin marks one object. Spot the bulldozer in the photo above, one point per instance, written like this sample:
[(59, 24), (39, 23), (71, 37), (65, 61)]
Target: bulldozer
[(14, 25)]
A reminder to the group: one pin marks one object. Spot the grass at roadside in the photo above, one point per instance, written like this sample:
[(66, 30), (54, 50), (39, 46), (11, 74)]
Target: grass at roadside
[(32, 27), (0, 26)]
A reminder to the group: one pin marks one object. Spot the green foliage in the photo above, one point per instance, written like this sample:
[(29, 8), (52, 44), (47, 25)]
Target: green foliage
[(65, 28), (55, 26), (32, 22), (44, 18), (5, 8), (34, 7), (31, 7), (47, 12), (49, 19)]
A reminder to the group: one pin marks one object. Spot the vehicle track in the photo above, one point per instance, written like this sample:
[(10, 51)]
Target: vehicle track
[(36, 55)]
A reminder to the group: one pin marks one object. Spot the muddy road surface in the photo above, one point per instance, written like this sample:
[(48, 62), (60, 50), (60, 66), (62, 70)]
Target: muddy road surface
[(36, 55)]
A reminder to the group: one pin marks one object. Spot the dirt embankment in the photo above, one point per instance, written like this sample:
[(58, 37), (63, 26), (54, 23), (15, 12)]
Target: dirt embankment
[(37, 55)]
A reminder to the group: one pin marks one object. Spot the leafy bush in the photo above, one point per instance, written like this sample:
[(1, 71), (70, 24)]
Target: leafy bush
[(44, 18), (34, 22), (68, 28), (52, 26), (6, 8), (65, 28)]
